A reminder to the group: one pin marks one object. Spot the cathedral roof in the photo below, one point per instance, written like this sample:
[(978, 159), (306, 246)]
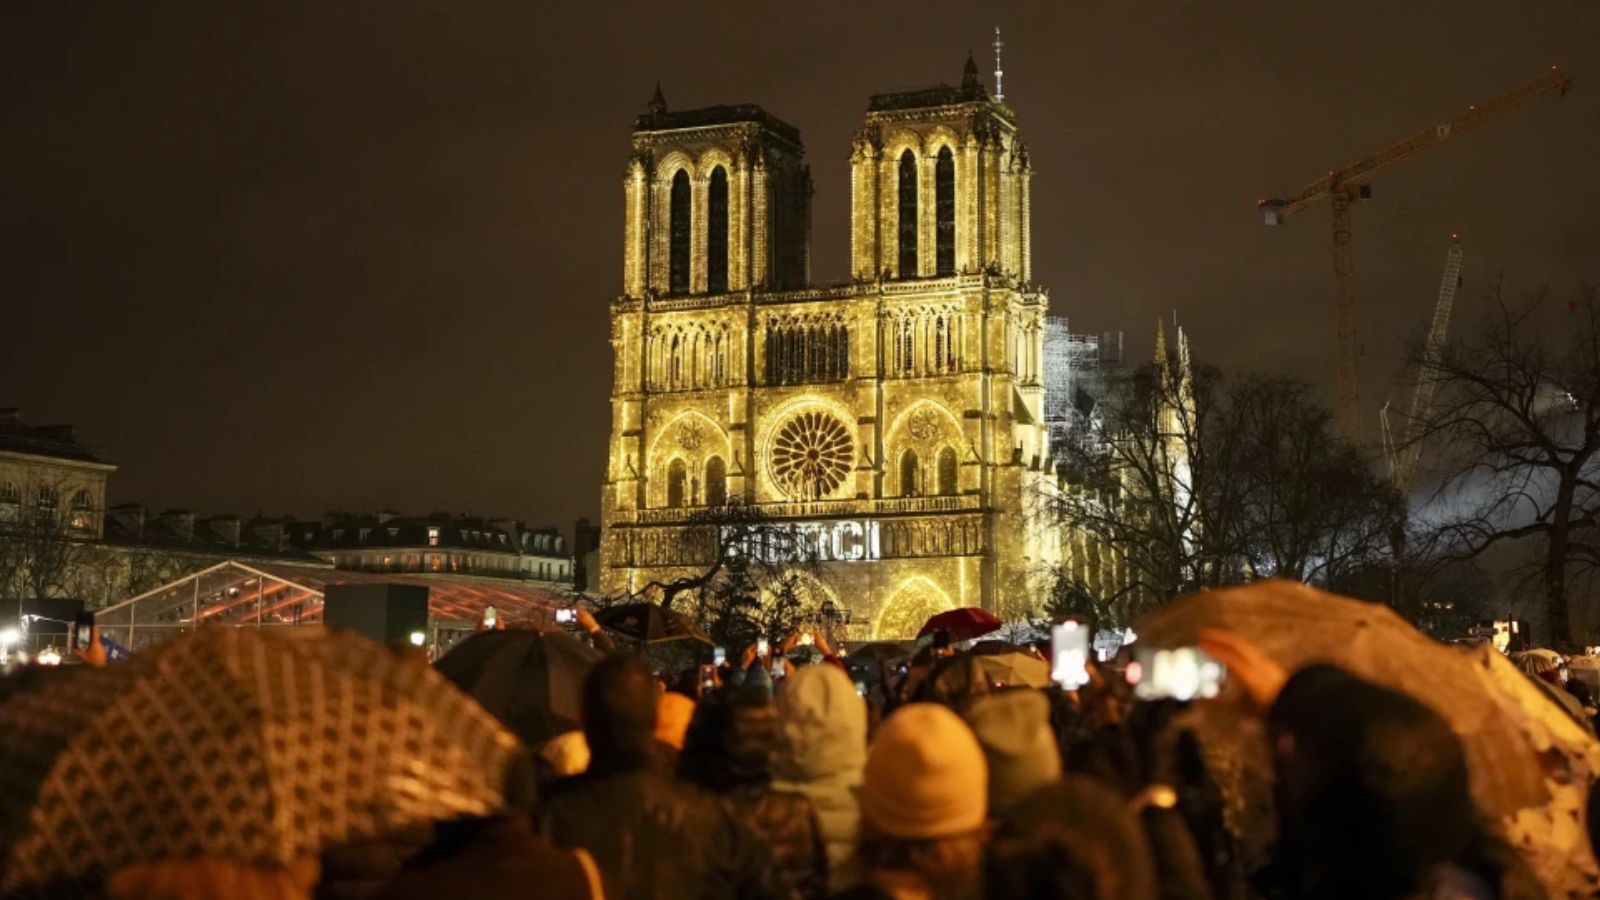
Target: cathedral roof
[(926, 97), (660, 119)]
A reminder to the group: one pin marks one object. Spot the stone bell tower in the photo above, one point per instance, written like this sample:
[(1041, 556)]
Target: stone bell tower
[(939, 185), (718, 200)]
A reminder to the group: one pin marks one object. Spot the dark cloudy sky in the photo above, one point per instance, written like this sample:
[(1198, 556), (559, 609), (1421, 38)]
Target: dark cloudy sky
[(295, 257)]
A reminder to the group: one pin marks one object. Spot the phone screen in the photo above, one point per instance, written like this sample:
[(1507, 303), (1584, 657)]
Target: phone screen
[(807, 639), (83, 629), (708, 678), (762, 647), (489, 617), (566, 615), (1069, 655), (1186, 673), (719, 655)]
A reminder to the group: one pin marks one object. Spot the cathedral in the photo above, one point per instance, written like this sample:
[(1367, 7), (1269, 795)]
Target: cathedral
[(895, 421)]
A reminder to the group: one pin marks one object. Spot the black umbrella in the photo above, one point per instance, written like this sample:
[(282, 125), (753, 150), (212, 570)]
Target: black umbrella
[(882, 650), (530, 680), (650, 623)]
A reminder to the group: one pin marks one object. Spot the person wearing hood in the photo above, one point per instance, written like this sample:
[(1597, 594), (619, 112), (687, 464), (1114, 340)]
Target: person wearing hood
[(1013, 727), (729, 750), (821, 755)]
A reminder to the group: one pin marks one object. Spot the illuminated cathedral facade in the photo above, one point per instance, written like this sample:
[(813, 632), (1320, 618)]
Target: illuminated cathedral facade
[(895, 420)]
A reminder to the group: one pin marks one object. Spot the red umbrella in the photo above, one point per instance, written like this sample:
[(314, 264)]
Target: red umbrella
[(964, 624)]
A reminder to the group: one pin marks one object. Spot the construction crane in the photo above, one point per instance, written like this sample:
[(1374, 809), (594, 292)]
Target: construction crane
[(1402, 451), (1342, 186)]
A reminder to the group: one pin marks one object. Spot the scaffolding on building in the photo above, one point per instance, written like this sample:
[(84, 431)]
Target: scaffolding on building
[(1077, 368)]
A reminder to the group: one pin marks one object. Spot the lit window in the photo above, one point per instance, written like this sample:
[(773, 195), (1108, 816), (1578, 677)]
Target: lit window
[(433, 536)]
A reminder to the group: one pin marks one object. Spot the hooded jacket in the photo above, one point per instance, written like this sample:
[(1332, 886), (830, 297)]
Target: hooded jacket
[(824, 749)]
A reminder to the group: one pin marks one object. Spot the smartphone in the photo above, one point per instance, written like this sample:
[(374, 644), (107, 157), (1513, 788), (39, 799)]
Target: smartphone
[(1069, 655), (861, 688), (719, 656), (564, 616), (708, 678), (490, 617), (1187, 673), (83, 629), (807, 639), (762, 647)]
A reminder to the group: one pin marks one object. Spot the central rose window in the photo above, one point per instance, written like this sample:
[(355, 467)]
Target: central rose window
[(811, 455)]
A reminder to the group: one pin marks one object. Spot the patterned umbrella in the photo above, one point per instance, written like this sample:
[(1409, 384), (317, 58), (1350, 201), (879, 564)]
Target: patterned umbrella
[(243, 744), (530, 680), (649, 623), (964, 624), (1296, 625)]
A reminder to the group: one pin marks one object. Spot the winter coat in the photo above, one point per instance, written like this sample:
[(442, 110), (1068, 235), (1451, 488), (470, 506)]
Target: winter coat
[(824, 725), (789, 825), (653, 837), (491, 859)]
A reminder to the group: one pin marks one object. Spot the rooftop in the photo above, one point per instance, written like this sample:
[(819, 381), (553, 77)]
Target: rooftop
[(58, 441), (658, 118)]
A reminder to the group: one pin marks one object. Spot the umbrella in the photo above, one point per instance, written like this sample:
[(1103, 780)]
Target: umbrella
[(247, 744), (992, 646), (529, 680), (1551, 835), (963, 624), (1296, 625), (883, 651), (649, 623), (1014, 669)]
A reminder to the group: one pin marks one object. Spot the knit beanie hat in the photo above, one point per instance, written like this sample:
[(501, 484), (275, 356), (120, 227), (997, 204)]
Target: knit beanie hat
[(925, 776), (673, 714), (1013, 727)]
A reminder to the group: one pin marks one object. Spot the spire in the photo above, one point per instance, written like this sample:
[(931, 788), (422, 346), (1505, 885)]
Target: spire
[(658, 103), (969, 74), (999, 74)]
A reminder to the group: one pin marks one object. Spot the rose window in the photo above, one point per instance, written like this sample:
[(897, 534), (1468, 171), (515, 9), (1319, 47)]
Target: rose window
[(811, 455)]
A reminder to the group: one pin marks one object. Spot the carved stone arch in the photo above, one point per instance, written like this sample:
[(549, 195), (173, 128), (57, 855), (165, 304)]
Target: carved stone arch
[(924, 413), (710, 158), (941, 136), (811, 590), (915, 601), (669, 164), (898, 141), (691, 436)]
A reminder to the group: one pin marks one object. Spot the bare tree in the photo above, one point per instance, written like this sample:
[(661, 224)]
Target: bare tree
[(41, 542), (1515, 424), (1214, 483)]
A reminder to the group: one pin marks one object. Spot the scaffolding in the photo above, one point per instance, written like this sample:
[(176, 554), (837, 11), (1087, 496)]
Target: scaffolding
[(1076, 370)]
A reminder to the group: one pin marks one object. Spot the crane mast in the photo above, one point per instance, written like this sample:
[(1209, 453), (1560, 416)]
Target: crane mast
[(1404, 452), (1341, 187)]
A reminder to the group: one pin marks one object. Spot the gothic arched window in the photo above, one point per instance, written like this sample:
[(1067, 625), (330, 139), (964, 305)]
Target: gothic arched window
[(716, 481), (717, 232), (678, 234), (944, 207), (909, 474), (908, 215), (947, 471), (677, 481)]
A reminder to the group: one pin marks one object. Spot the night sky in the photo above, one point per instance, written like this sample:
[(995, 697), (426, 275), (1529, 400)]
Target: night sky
[(347, 256)]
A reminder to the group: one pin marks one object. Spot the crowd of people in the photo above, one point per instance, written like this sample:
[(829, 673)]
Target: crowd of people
[(798, 776)]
